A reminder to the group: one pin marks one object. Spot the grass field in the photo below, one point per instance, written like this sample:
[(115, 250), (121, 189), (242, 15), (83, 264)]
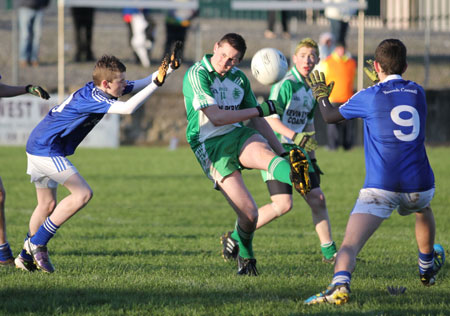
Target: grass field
[(148, 243)]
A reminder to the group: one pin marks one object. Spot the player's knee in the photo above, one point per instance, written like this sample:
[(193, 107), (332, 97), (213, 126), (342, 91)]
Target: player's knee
[(282, 207), (84, 196), (47, 206), (251, 216), (51, 205), (316, 199)]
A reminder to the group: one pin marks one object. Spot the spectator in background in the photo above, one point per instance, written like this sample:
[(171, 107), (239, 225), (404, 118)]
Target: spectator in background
[(83, 20), (339, 19), (141, 33), (271, 18), (177, 24), (31, 13), (326, 45), (340, 67), (6, 256)]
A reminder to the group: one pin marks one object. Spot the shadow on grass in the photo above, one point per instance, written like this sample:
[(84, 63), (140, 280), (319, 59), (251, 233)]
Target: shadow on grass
[(95, 300)]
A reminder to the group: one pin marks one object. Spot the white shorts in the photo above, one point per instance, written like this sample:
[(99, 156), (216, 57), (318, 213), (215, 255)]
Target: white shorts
[(382, 203), (47, 172)]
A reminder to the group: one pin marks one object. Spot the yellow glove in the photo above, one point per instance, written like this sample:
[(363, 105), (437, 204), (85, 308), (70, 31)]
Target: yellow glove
[(318, 85), (305, 140), (370, 71)]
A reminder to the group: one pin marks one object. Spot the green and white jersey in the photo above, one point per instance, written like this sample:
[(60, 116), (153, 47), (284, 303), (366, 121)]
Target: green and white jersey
[(297, 100), (203, 87)]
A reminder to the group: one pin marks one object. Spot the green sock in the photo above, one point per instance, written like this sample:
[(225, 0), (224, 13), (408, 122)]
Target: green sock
[(328, 250), (280, 169), (245, 242)]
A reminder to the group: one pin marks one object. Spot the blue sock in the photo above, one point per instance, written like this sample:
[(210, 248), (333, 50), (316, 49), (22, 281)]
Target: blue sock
[(44, 233), (5, 252), (426, 262), (341, 277), (24, 253)]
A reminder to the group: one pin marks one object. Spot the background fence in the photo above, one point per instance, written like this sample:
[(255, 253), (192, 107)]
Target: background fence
[(163, 117), (391, 14)]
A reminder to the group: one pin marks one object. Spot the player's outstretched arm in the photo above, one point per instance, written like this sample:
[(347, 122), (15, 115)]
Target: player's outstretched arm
[(220, 117), (12, 91), (139, 98)]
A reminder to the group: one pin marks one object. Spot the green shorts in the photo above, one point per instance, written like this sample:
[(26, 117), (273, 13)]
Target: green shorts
[(266, 175), (219, 156)]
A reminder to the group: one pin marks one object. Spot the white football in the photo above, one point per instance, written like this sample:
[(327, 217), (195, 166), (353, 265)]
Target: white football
[(269, 66)]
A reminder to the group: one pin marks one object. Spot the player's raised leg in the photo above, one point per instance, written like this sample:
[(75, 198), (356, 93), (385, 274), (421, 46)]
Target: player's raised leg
[(256, 154), (281, 204)]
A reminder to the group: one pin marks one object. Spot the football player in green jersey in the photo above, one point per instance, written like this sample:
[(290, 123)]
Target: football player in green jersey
[(295, 127), (218, 97)]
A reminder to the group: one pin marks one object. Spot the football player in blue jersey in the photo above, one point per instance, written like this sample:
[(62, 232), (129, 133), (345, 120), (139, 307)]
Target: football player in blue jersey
[(58, 135), (6, 256), (398, 174)]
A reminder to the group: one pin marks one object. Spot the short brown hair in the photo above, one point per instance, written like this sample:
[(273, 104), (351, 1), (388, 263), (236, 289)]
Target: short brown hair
[(307, 42), (106, 68), (391, 55), (236, 41)]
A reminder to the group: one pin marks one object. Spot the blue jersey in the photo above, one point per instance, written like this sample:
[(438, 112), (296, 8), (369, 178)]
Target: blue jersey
[(67, 124), (394, 114)]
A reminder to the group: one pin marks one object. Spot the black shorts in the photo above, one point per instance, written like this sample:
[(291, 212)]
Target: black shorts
[(277, 187)]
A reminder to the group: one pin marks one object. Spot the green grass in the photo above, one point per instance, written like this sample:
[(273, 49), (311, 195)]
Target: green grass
[(148, 243)]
